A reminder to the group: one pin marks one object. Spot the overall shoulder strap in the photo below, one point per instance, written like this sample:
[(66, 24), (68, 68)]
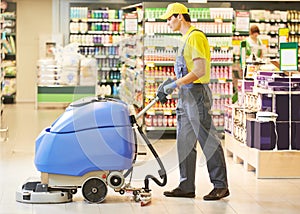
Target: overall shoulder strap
[(189, 36)]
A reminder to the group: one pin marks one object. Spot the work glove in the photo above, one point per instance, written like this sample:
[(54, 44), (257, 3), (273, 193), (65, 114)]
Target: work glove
[(161, 90), (169, 88)]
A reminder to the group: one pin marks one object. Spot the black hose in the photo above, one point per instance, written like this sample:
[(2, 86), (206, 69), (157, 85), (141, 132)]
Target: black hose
[(162, 172), (132, 119)]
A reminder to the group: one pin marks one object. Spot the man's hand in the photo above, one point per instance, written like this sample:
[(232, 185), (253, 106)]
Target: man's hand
[(161, 94), (169, 88)]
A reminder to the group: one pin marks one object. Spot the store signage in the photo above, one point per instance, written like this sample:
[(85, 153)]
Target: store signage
[(283, 35), (242, 21), (131, 23), (289, 56)]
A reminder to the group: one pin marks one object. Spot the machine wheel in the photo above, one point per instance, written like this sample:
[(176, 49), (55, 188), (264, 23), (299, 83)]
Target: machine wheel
[(94, 190)]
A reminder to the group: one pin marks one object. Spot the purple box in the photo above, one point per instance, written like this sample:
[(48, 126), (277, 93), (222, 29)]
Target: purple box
[(250, 132), (245, 85), (283, 133), (264, 135), (295, 144), (282, 107)]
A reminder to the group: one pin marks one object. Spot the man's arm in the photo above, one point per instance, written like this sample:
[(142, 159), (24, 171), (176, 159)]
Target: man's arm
[(196, 73)]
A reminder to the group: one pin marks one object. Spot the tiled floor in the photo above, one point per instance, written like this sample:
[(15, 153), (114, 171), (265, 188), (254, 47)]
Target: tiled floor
[(248, 194)]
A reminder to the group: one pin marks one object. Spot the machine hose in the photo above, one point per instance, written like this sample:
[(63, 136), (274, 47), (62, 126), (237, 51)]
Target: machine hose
[(162, 172), (135, 155)]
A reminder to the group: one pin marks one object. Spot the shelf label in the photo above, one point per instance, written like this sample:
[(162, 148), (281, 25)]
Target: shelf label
[(222, 80), (167, 112), (151, 112), (150, 64), (218, 20)]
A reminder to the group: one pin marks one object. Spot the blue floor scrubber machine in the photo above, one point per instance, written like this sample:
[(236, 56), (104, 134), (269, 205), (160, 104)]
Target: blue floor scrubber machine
[(92, 146)]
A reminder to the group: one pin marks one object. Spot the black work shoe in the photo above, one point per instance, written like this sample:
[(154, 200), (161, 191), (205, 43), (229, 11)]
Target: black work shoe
[(179, 193), (216, 194)]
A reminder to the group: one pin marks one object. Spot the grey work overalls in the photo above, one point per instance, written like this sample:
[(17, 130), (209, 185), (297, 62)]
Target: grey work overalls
[(194, 123)]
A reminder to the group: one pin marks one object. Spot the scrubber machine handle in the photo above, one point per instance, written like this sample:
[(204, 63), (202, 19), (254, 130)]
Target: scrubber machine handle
[(160, 96)]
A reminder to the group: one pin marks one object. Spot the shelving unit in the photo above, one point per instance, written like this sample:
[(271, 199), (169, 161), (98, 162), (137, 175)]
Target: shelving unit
[(64, 78), (269, 22), (266, 164), (3, 129), (131, 55), (9, 47), (99, 31), (161, 46)]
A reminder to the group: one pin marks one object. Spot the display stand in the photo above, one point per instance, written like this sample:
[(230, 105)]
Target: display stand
[(266, 164), (61, 96), (3, 130), (274, 163)]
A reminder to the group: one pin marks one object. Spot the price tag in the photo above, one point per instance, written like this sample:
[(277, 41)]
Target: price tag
[(151, 112), (216, 96), (167, 112), (218, 20), (150, 64), (222, 80)]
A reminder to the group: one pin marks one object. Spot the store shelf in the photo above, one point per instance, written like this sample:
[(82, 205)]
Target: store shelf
[(266, 164), (60, 96), (159, 63), (213, 63), (160, 128)]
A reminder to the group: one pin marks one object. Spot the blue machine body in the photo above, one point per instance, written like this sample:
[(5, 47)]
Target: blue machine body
[(90, 135)]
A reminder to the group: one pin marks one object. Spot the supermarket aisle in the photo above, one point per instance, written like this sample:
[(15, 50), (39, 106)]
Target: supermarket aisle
[(248, 194)]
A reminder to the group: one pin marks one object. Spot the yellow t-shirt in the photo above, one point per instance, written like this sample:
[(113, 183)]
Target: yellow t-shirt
[(197, 47)]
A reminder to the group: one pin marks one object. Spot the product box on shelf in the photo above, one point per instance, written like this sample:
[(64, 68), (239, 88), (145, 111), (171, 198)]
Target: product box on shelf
[(264, 135), (295, 144), (250, 132), (228, 118), (283, 135), (283, 104), (244, 86)]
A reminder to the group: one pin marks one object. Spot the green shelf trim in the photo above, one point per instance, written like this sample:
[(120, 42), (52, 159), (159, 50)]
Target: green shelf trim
[(9, 18), (10, 34), (241, 33), (72, 90), (57, 98), (10, 76), (221, 80)]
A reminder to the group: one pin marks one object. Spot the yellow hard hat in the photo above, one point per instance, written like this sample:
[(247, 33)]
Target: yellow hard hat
[(175, 8)]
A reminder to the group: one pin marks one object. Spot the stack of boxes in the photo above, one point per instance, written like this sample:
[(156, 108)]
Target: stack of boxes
[(271, 94)]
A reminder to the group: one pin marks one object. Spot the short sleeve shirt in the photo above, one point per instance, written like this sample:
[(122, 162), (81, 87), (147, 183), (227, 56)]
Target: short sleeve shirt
[(197, 46)]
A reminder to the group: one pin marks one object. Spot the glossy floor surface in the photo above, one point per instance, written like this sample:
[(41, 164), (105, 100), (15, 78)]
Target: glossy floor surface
[(248, 194)]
